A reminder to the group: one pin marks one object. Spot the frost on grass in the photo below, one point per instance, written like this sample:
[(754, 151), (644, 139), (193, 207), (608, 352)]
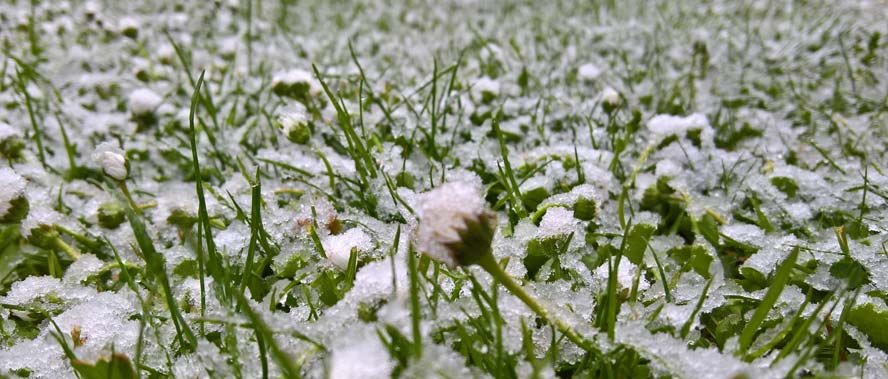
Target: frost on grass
[(651, 168)]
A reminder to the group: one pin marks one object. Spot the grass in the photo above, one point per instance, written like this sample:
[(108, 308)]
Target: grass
[(742, 227)]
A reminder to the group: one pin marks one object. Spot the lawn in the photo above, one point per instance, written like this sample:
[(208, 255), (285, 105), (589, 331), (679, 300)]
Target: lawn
[(443, 189)]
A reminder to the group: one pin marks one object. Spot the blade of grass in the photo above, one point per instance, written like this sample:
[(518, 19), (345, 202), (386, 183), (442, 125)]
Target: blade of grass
[(781, 277), (285, 362), (154, 264), (507, 167), (686, 328), (214, 261), (255, 226)]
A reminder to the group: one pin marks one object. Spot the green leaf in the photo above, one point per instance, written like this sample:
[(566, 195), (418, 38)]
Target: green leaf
[(873, 322), (785, 185), (533, 197), (117, 366), (637, 242), (541, 250), (752, 279), (850, 270), (693, 257), (708, 227)]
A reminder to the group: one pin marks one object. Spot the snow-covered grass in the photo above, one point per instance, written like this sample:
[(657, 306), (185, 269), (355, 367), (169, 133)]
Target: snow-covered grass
[(447, 189)]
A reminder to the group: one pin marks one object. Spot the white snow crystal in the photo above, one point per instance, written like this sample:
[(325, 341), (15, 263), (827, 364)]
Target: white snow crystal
[(625, 275), (588, 71), (128, 23), (144, 101), (668, 167), (365, 358), (339, 247), (664, 124), (82, 268), (229, 45), (290, 121), (7, 131), (295, 76), (486, 85), (37, 216), (557, 221)]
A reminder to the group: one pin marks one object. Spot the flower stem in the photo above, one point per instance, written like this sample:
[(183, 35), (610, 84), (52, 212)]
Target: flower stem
[(489, 264), (414, 303), (129, 198), (58, 243)]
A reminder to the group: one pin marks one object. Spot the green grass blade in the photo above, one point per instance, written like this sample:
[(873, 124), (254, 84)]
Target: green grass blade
[(290, 370), (154, 264), (214, 261), (255, 226), (781, 277)]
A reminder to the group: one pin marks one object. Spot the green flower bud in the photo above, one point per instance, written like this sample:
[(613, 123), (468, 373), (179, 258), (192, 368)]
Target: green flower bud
[(474, 239), (11, 148), (112, 160), (18, 209), (44, 236), (13, 204), (296, 127), (296, 84), (455, 226), (585, 209), (111, 215)]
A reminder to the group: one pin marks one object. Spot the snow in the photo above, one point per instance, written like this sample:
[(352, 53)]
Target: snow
[(7, 131), (296, 76), (339, 247), (144, 101), (625, 275), (799, 102), (364, 358), (673, 356), (40, 216), (82, 268), (668, 124), (588, 71), (557, 221), (486, 85)]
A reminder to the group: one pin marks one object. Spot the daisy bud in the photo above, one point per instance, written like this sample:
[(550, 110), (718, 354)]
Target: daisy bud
[(297, 84), (129, 27), (13, 203), (11, 144), (455, 226), (111, 215), (610, 99), (44, 236), (112, 160), (295, 126), (585, 209), (486, 89)]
